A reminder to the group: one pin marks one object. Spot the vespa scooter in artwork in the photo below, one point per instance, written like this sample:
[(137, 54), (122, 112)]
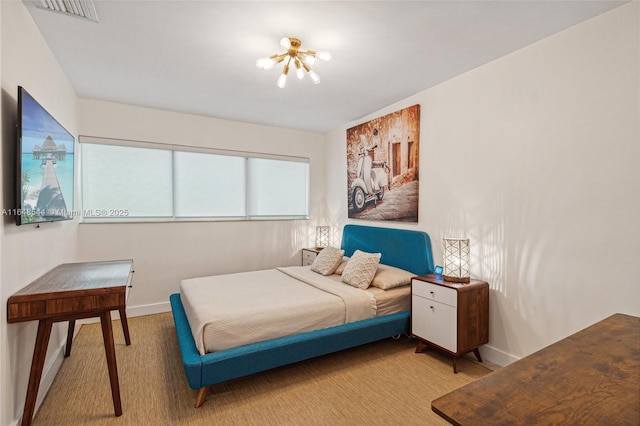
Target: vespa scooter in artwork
[(371, 180)]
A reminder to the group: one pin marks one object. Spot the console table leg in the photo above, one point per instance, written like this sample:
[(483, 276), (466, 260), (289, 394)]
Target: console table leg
[(110, 351), (37, 364), (125, 325), (72, 326)]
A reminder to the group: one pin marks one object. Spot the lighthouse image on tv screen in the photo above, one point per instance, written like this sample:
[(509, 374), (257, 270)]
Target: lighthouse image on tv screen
[(45, 165)]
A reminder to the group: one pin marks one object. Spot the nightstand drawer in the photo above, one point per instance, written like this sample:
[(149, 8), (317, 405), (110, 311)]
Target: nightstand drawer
[(308, 256), (435, 322), (435, 292)]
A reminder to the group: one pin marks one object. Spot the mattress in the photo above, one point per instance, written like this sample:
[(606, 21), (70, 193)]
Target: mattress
[(232, 310)]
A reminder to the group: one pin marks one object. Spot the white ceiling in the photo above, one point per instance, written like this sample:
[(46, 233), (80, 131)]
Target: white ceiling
[(199, 57)]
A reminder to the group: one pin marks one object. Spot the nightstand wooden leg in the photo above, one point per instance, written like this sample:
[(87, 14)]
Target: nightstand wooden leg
[(420, 347), (476, 352)]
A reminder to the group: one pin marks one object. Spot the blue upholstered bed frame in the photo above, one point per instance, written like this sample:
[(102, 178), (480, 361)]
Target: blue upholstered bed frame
[(409, 250)]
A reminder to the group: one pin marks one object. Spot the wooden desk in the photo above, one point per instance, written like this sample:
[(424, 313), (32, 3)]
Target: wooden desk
[(70, 292), (589, 378)]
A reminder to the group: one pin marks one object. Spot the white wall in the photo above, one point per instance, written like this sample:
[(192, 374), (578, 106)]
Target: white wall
[(536, 158), (165, 253), (26, 252)]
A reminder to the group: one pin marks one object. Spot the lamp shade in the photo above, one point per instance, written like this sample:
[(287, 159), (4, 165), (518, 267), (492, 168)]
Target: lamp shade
[(456, 259), (322, 236)]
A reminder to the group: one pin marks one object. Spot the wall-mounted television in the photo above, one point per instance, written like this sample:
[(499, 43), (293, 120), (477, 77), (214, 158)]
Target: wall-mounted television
[(44, 165)]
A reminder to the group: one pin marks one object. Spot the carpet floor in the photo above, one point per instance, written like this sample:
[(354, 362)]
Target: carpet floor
[(382, 383)]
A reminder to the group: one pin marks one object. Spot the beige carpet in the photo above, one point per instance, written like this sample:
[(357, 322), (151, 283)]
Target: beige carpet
[(382, 383)]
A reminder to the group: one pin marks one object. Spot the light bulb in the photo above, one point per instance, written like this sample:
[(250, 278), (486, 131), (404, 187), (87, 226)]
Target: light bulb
[(310, 59), (315, 77), (266, 63), (325, 56), (270, 64), (282, 81), (285, 43)]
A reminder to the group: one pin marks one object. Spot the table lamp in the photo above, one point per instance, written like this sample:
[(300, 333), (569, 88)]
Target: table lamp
[(322, 237), (456, 260)]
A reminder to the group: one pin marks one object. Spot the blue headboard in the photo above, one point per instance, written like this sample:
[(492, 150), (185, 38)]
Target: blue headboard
[(404, 249)]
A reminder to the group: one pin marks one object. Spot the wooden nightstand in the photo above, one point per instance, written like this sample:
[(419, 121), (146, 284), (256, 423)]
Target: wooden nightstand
[(450, 317), (309, 255)]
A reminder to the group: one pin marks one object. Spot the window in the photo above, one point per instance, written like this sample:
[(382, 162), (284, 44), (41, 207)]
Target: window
[(209, 185), (126, 178), (125, 181), (271, 184)]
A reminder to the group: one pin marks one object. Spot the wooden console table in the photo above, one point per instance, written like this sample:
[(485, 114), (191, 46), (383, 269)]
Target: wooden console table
[(591, 377), (70, 292)]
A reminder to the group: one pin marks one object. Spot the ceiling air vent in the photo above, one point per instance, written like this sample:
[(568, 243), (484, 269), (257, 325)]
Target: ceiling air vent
[(79, 8)]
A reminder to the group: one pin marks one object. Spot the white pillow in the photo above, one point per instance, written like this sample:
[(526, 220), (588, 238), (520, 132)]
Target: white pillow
[(360, 269), (327, 260), (389, 277)]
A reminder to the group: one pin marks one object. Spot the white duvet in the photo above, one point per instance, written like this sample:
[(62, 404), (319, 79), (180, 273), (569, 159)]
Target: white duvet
[(226, 311)]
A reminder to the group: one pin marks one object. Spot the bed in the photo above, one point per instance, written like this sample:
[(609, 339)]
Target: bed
[(405, 249)]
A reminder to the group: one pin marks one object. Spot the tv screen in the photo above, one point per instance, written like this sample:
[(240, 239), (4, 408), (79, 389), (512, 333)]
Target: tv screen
[(44, 166)]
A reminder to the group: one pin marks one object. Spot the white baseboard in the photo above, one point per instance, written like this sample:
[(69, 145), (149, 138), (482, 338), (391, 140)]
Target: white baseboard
[(135, 311), (496, 356), (154, 308)]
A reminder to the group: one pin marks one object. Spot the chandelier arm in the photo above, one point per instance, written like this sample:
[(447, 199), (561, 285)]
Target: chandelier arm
[(306, 66), (304, 53), (285, 70)]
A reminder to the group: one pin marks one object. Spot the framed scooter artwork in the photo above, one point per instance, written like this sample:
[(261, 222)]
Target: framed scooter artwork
[(383, 166)]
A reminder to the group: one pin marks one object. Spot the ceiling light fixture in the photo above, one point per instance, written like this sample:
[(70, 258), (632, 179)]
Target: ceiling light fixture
[(79, 8), (302, 60)]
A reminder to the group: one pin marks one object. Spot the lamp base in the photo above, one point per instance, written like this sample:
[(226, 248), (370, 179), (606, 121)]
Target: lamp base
[(457, 279)]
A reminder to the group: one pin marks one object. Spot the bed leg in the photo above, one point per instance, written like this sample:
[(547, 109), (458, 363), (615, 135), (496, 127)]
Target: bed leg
[(202, 395)]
